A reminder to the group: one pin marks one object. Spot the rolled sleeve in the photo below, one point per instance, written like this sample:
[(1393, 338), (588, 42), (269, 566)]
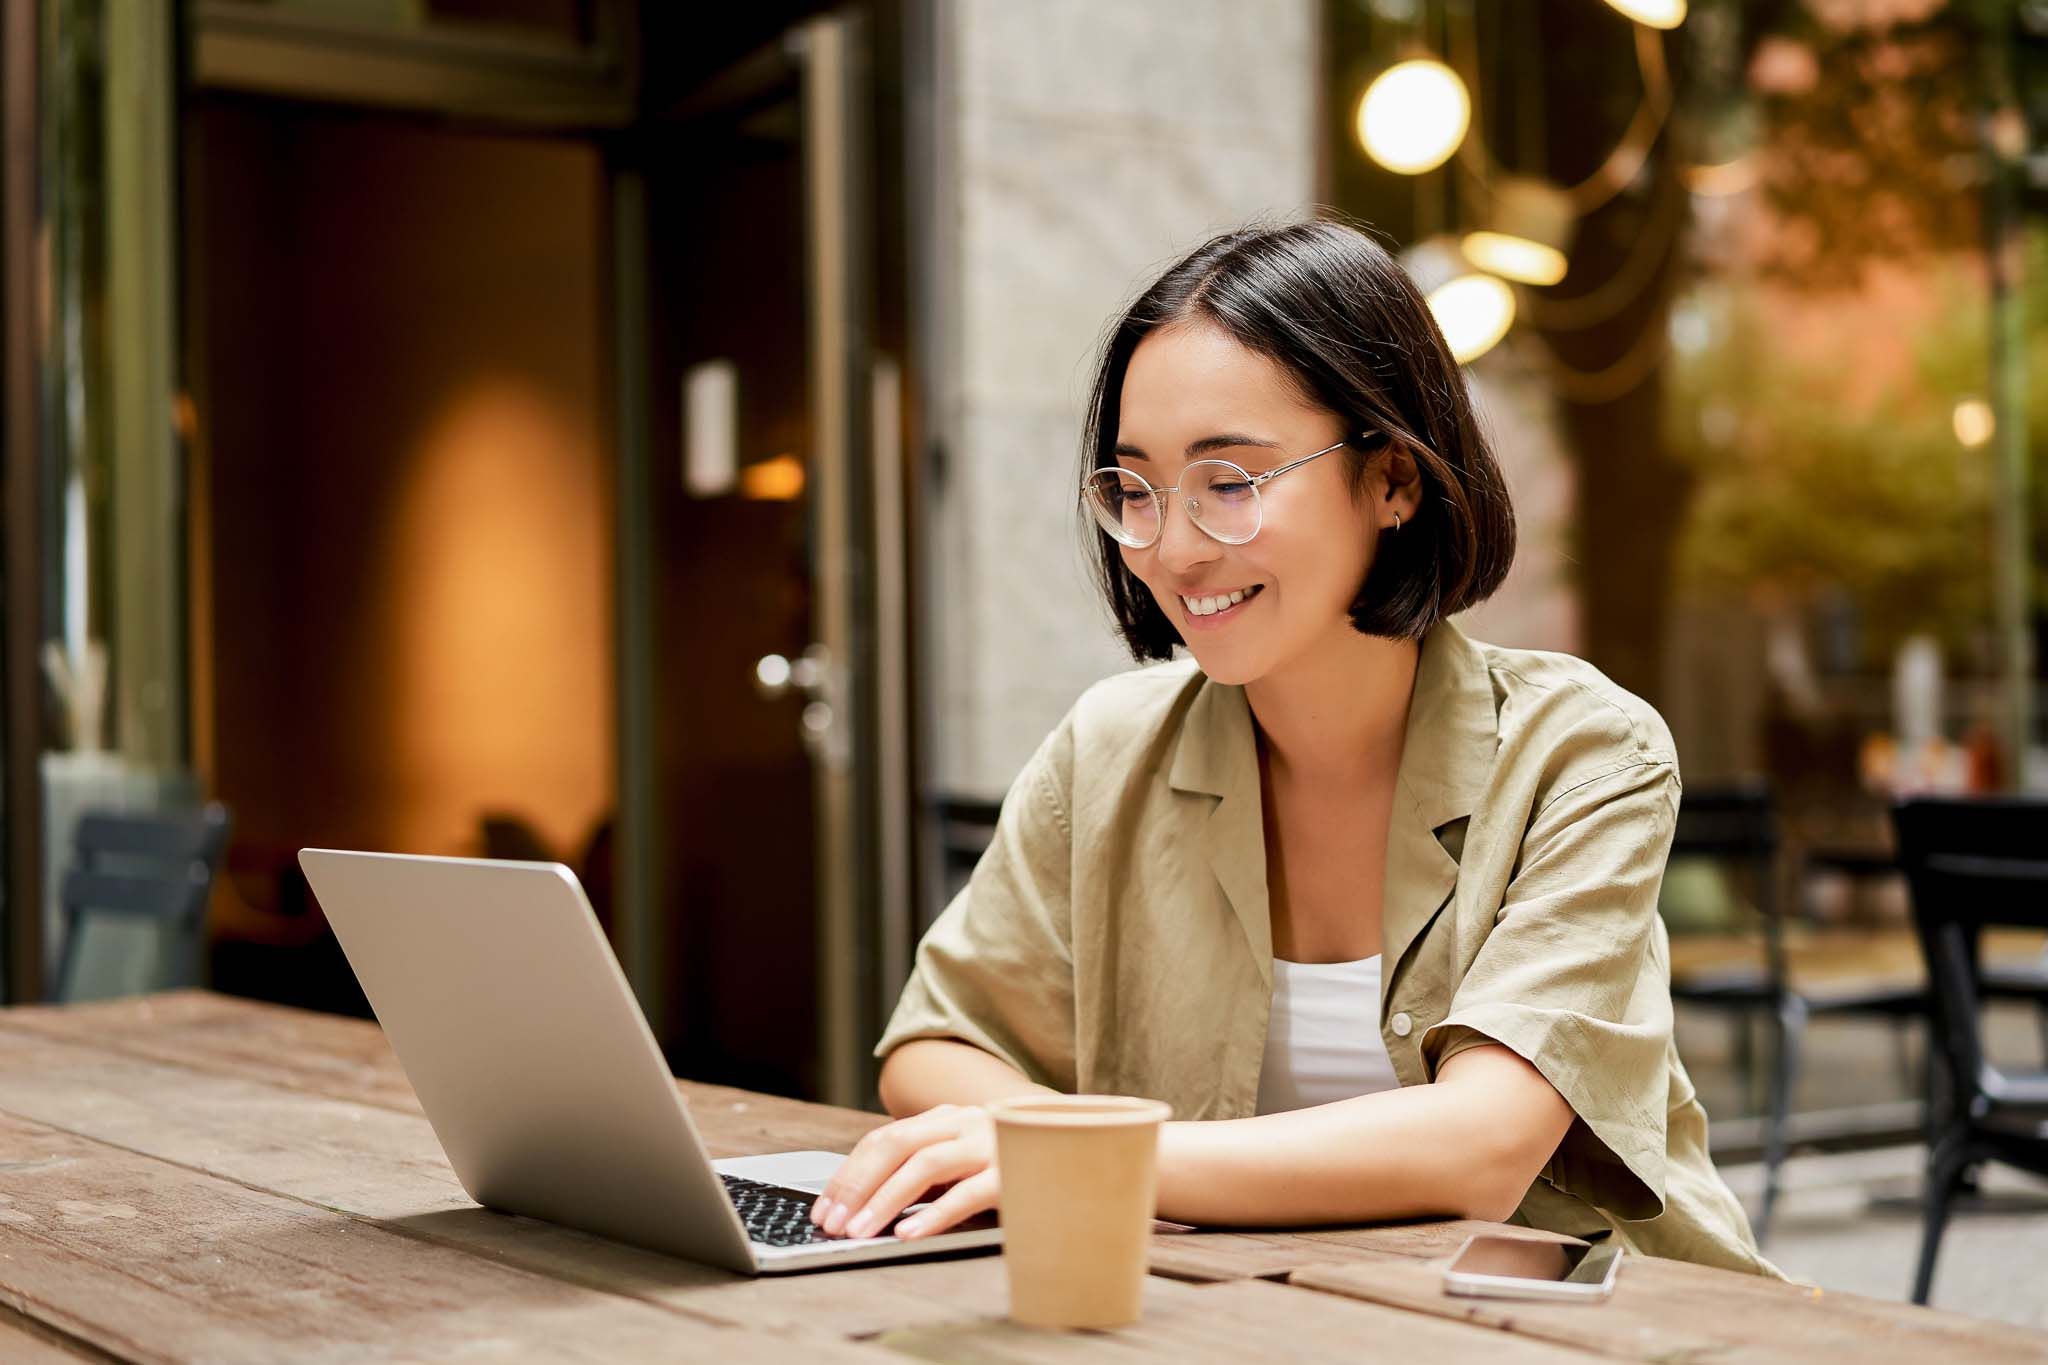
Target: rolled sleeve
[(1573, 977), (996, 968)]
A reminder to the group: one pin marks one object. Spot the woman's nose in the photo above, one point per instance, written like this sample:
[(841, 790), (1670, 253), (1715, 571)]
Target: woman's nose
[(1182, 544)]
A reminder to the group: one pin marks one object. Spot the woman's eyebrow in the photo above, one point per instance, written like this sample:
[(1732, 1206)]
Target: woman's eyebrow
[(1224, 441), (1228, 440)]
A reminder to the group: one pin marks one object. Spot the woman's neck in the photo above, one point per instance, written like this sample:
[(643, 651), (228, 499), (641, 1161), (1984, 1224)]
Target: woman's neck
[(1337, 715)]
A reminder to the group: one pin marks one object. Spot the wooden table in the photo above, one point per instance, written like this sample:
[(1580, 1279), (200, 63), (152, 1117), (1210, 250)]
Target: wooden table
[(189, 1177)]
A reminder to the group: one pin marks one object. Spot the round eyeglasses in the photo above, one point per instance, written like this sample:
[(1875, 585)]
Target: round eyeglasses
[(1220, 498)]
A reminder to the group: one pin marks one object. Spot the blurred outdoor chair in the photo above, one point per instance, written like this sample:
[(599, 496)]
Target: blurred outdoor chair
[(1974, 865), (1757, 970), (966, 824), (152, 869)]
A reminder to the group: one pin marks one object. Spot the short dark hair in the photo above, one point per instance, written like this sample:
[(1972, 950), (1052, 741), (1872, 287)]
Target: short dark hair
[(1337, 312)]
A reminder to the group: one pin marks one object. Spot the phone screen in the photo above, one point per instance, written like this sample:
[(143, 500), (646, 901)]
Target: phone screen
[(1521, 1258)]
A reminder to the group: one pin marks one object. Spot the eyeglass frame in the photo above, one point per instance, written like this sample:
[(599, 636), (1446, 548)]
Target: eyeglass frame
[(1254, 480)]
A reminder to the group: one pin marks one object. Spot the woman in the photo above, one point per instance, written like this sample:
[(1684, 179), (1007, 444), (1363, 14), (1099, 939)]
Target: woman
[(1372, 905)]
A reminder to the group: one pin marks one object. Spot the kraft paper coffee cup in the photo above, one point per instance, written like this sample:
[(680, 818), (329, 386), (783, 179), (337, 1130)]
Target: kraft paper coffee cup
[(1080, 1176)]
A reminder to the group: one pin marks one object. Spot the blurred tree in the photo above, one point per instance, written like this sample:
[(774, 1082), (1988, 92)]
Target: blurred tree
[(1810, 488), (1843, 473), (1867, 113), (1860, 122)]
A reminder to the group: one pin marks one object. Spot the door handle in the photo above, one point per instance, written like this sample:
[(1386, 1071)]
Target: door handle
[(813, 677)]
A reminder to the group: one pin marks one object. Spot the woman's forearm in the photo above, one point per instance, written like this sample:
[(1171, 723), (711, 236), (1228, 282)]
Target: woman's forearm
[(932, 1071), (1468, 1149)]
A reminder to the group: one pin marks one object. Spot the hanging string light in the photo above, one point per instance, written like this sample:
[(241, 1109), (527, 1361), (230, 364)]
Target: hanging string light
[(1475, 311), (1412, 118), (1653, 13), (1472, 309), (1416, 115), (1527, 231)]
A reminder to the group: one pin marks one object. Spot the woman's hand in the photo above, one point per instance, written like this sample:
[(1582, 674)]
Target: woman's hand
[(895, 1165)]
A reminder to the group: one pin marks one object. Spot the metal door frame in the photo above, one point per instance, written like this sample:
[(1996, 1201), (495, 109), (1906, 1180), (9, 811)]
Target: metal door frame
[(861, 781), (20, 439)]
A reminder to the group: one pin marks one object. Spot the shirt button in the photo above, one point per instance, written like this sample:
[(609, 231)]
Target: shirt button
[(1402, 1024)]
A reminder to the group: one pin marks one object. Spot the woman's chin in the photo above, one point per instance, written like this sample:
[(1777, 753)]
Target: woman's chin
[(1231, 667)]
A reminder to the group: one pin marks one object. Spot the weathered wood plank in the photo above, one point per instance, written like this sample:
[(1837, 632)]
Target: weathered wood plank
[(1230, 1323), (1271, 1253), (742, 1123), (384, 1167), (314, 1109), (295, 1049), (354, 1159), (349, 1059), (148, 1261), (1673, 1310), (377, 1164), (1206, 1257), (25, 1341)]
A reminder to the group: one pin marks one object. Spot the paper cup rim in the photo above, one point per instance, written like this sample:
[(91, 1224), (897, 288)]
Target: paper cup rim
[(1080, 1111)]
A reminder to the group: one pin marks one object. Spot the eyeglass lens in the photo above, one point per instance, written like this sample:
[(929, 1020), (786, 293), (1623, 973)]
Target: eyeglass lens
[(1216, 496)]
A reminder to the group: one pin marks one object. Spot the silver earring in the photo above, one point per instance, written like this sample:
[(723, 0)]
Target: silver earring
[(1397, 523)]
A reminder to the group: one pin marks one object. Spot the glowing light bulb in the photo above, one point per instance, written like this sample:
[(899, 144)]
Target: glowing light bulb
[(1414, 116), (1475, 312), (1653, 13), (1515, 258)]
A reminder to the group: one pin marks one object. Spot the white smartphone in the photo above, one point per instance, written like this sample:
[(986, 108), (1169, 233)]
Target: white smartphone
[(1492, 1266)]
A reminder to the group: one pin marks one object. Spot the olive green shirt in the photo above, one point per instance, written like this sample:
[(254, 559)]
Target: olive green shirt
[(1116, 935)]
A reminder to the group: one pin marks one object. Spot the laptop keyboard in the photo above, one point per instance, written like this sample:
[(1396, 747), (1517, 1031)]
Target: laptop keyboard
[(774, 1215)]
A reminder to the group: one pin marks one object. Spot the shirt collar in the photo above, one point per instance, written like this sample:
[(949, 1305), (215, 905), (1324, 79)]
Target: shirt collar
[(1447, 751), (1453, 728)]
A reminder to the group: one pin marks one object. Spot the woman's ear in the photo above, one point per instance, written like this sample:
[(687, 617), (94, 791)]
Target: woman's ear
[(1396, 484)]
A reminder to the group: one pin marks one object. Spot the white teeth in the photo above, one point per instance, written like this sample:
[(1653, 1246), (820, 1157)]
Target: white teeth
[(1209, 606)]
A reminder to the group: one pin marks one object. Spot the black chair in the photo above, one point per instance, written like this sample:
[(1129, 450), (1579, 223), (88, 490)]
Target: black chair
[(1973, 864), (156, 865), (1737, 824), (965, 826)]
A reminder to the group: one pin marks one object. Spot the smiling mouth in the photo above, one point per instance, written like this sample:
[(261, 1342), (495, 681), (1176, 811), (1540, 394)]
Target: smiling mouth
[(1220, 602)]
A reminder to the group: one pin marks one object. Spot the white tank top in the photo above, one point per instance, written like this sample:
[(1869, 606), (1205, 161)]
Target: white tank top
[(1323, 1042)]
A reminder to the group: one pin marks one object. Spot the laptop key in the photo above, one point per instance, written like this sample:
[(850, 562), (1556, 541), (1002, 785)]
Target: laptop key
[(774, 1215)]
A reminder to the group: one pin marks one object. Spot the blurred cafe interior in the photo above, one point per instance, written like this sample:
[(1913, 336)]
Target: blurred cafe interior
[(641, 436)]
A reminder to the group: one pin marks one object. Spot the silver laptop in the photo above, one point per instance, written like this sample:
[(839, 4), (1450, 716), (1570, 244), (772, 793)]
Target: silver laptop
[(541, 1078)]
